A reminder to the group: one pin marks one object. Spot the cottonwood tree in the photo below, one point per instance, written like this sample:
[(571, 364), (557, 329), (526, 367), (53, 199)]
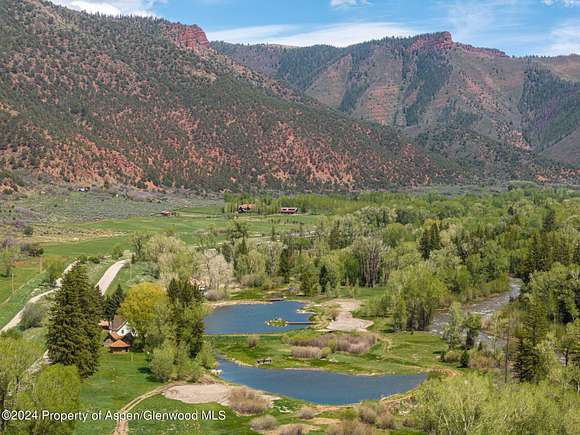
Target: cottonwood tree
[(16, 357), (453, 332), (145, 308), (369, 253), (56, 389)]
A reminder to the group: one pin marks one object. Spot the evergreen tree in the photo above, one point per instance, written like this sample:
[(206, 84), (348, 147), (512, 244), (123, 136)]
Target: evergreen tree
[(323, 278), (65, 337), (71, 338), (113, 302), (285, 267), (186, 315), (549, 223), (533, 331)]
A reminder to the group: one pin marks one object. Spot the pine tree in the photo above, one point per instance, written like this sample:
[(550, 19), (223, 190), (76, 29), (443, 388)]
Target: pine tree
[(284, 266), (323, 278), (66, 340), (73, 336), (549, 223), (113, 302), (533, 331)]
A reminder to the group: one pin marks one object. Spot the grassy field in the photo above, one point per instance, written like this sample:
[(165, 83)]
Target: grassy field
[(398, 353), (120, 378)]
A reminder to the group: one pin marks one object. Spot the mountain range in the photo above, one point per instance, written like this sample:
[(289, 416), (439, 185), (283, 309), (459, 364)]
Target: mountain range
[(146, 102)]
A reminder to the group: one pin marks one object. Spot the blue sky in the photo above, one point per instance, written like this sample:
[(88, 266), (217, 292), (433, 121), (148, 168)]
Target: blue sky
[(518, 27)]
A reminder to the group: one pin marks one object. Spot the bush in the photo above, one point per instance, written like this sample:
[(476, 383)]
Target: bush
[(306, 413), (325, 352), (386, 421), (465, 359), (162, 362), (206, 357), (117, 252), (357, 344), (482, 361), (367, 414), (28, 230), (349, 427), (32, 249), (266, 422), (308, 352), (246, 401), (253, 341), (292, 429), (453, 356), (216, 295), (33, 315)]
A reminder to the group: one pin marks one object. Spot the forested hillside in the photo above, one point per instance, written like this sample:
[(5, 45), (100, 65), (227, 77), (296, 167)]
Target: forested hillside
[(128, 100), (144, 101), (430, 81)]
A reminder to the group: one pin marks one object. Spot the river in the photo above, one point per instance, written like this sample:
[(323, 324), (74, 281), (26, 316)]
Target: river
[(485, 308)]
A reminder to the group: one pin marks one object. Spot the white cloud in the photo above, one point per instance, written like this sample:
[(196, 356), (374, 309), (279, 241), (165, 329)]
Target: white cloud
[(339, 35), (142, 8), (565, 39), (347, 3), (564, 2)]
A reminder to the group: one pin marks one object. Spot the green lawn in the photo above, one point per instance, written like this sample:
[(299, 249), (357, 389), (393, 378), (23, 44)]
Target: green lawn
[(120, 378), (232, 424), (131, 274), (24, 271)]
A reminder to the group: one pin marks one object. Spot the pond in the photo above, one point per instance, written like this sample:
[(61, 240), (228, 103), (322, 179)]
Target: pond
[(317, 386), (252, 318)]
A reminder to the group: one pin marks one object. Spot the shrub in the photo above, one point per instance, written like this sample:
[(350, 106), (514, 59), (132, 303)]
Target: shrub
[(349, 427), (216, 295), (205, 357), (306, 413), (162, 362), (325, 352), (453, 356), (292, 429), (266, 422), (465, 359), (246, 401), (367, 414), (482, 361), (252, 341), (308, 352), (357, 344), (385, 421), (33, 315), (28, 230)]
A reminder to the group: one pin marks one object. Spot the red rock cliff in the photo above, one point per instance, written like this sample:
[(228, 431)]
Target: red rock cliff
[(187, 36)]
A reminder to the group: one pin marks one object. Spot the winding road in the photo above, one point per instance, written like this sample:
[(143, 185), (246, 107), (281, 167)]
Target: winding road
[(13, 323), (103, 285)]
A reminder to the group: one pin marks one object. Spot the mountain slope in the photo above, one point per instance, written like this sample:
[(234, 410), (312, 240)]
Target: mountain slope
[(144, 101), (95, 99), (425, 82)]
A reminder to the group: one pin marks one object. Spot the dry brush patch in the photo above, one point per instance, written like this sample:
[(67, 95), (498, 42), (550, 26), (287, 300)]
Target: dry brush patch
[(263, 423), (246, 401)]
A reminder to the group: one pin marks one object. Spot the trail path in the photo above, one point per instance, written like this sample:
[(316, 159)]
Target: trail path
[(13, 323), (123, 425)]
